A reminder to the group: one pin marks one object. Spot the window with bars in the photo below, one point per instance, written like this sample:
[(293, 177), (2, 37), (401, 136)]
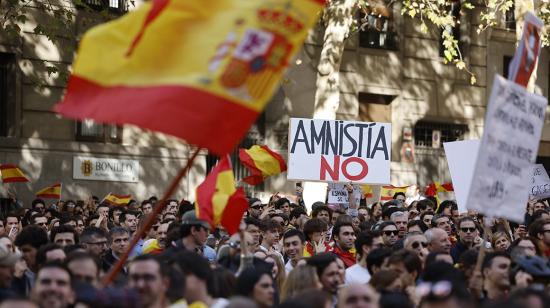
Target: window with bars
[(376, 28), (7, 93), (510, 19), (115, 6), (88, 130), (424, 132)]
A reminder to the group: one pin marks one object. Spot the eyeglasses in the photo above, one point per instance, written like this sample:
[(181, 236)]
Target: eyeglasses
[(468, 230), (391, 232), (415, 245), (100, 243), (440, 289), (257, 207)]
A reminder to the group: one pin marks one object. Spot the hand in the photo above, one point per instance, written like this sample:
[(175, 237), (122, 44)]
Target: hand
[(523, 280), (319, 246), (19, 268), (267, 209), (13, 233), (349, 188)]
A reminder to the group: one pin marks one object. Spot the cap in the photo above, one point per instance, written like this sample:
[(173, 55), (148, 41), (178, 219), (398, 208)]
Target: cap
[(8, 258), (190, 218)]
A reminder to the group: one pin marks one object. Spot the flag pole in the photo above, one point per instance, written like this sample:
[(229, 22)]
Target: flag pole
[(150, 220)]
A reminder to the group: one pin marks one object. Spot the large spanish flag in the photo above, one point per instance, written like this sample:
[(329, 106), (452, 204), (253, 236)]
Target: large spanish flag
[(117, 200), (12, 174), (261, 162), (201, 71), (50, 192), (387, 191), (218, 201)]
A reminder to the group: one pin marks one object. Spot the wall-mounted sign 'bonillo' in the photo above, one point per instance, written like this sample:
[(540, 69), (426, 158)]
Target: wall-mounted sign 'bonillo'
[(339, 151)]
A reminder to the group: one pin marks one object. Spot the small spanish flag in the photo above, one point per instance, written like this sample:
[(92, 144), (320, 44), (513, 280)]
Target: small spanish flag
[(387, 191), (218, 201), (262, 162), (50, 192), (367, 191), (209, 66), (117, 200), (436, 187), (12, 174)]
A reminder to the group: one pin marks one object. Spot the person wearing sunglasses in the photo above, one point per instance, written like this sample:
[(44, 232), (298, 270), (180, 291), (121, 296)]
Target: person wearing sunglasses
[(255, 207), (418, 243), (390, 234), (467, 233)]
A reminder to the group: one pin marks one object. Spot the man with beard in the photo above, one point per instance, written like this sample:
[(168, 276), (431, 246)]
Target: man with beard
[(94, 241), (496, 274), (161, 235), (400, 219), (293, 246), (149, 277), (467, 233), (328, 272), (52, 288), (344, 239)]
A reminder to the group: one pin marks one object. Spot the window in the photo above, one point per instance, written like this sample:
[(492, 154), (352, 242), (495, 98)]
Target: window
[(116, 6), (375, 107), (454, 10), (7, 94), (424, 132), (88, 130), (510, 19), (376, 26), (506, 66)]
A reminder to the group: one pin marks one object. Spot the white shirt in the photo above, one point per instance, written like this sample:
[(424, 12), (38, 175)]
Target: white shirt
[(288, 267), (357, 274)]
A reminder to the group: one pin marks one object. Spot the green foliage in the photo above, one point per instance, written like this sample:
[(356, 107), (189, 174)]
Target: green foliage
[(56, 22)]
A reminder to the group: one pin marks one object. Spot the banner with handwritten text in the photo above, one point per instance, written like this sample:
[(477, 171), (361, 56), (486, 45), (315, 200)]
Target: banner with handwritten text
[(513, 126)]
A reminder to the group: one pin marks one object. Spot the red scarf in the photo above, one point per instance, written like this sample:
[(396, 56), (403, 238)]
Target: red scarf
[(346, 256)]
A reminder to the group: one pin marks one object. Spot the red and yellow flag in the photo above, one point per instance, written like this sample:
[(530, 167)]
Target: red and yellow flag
[(436, 187), (199, 71), (262, 163), (387, 191), (368, 192), (50, 192), (117, 200), (12, 174), (218, 201)]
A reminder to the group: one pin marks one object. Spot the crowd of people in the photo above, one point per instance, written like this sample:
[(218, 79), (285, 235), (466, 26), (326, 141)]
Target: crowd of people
[(391, 254)]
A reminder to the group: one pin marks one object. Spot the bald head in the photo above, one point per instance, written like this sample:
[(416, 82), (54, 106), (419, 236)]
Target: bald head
[(357, 295), (438, 240)]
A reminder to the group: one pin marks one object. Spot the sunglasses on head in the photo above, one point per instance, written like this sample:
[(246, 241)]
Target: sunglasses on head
[(394, 232), (415, 245), (468, 229)]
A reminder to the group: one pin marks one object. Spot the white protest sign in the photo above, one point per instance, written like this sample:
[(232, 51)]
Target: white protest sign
[(461, 158), (339, 151), (339, 194), (509, 146), (540, 183)]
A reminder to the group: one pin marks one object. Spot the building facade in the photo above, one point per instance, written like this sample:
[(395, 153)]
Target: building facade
[(391, 72)]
